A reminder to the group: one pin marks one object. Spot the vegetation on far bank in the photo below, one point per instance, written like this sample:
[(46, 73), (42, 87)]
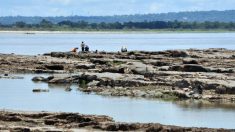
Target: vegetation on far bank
[(154, 26)]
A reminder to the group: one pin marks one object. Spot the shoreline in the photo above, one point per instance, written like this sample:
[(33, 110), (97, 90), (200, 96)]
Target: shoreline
[(115, 32), (63, 121)]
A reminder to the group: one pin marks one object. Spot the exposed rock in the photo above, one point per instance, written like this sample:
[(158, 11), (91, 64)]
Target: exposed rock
[(85, 66), (178, 53), (40, 90), (190, 61), (55, 67), (39, 78), (75, 122)]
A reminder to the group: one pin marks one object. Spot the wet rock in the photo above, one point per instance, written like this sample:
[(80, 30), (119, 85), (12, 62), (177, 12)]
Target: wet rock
[(39, 78), (37, 90), (61, 79)]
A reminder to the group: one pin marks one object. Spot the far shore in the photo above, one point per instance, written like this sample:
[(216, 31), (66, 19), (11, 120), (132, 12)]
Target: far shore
[(115, 31)]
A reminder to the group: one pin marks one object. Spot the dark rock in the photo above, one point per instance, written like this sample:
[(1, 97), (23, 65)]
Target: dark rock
[(50, 122), (190, 61), (54, 67), (178, 53), (14, 118), (39, 78), (40, 90), (19, 129), (194, 68), (182, 84), (85, 66)]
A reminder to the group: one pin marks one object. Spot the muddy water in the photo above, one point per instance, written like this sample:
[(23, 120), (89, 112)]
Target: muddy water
[(16, 94), (32, 44)]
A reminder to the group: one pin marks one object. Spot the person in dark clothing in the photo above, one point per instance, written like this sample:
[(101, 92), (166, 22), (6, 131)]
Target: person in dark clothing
[(83, 46), (87, 48)]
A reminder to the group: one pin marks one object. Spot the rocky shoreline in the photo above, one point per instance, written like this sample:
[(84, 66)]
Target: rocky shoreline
[(67, 122), (171, 75), (174, 74)]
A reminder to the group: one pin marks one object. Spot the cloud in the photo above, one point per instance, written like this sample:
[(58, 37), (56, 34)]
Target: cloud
[(107, 7)]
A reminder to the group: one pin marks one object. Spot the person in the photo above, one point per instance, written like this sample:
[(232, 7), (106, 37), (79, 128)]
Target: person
[(87, 48), (123, 49), (82, 46), (74, 50)]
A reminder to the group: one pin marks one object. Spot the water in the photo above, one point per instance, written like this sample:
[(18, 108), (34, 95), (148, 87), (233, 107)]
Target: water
[(42, 43), (18, 95)]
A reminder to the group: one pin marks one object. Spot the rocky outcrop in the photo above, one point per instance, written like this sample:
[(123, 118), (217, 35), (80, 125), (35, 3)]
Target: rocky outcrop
[(59, 122), (155, 74)]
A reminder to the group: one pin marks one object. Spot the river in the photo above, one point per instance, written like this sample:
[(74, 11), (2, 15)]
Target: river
[(39, 43)]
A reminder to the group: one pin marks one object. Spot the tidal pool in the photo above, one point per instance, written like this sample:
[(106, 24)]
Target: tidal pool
[(16, 94)]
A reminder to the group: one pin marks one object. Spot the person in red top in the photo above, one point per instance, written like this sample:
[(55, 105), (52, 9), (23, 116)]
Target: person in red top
[(74, 50)]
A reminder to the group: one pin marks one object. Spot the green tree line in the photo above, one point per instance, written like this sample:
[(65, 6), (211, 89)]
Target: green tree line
[(45, 24)]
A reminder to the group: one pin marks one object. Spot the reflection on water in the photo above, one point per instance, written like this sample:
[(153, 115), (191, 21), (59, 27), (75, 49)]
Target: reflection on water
[(17, 95), (43, 43)]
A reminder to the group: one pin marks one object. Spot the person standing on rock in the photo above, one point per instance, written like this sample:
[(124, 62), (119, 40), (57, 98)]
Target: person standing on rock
[(83, 46)]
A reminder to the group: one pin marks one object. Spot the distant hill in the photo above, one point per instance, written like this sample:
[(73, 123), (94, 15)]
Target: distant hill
[(198, 16)]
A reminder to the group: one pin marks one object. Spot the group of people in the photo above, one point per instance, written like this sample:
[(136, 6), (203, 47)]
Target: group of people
[(84, 48)]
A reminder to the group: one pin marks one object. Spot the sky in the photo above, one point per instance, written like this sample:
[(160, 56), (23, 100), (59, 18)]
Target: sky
[(107, 7)]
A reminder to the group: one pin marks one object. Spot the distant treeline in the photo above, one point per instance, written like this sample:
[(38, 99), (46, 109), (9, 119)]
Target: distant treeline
[(45, 25)]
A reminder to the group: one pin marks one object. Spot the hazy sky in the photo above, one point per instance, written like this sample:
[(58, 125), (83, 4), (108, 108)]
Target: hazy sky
[(107, 7)]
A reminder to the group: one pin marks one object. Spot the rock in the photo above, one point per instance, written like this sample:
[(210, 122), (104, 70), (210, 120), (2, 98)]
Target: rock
[(68, 89), (19, 129), (39, 78), (182, 83), (54, 67), (190, 61), (85, 66), (139, 68), (93, 83), (180, 93), (158, 94), (159, 63), (177, 53), (194, 68), (61, 79), (40, 90)]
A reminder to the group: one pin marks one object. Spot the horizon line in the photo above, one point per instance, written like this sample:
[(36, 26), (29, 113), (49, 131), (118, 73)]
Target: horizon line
[(121, 14)]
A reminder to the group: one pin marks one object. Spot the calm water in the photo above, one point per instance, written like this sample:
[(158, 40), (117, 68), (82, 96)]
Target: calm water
[(18, 95), (42, 43)]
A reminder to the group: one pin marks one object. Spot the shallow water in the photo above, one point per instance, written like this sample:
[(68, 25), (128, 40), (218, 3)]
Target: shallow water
[(17, 95), (33, 44)]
